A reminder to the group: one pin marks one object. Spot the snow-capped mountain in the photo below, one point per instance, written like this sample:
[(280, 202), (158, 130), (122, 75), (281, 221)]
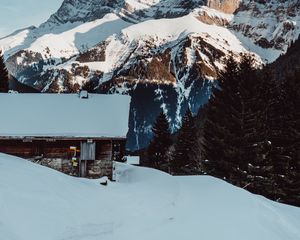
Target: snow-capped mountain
[(164, 53), (130, 10)]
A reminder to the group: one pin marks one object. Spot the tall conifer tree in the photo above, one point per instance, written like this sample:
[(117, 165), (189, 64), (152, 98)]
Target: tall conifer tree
[(161, 142), (231, 118), (4, 80), (221, 119), (183, 161), (260, 166), (285, 140), (252, 131)]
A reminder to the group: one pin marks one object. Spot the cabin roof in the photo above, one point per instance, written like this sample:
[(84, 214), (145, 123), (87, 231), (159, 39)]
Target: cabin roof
[(64, 115)]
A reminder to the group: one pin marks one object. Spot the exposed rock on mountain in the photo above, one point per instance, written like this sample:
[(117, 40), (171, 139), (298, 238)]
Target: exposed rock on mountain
[(213, 17), (271, 25), (226, 6)]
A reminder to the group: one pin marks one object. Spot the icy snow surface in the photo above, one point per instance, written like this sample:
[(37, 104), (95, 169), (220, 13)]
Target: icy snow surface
[(79, 38), (64, 115), (144, 204), (64, 41)]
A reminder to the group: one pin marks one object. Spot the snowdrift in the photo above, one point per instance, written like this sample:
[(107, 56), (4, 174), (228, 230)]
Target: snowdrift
[(39, 203)]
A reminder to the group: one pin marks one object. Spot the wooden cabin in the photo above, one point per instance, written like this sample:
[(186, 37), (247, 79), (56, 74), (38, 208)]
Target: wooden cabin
[(78, 134)]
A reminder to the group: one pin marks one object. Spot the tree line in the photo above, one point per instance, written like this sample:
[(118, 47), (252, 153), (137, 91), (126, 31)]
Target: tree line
[(248, 134)]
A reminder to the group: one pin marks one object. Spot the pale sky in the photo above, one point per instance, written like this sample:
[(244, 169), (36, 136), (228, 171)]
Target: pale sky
[(17, 14)]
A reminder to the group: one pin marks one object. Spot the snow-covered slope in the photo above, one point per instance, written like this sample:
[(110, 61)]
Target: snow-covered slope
[(40, 203)]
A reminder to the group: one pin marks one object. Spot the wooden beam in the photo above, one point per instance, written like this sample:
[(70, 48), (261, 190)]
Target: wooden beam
[(61, 138)]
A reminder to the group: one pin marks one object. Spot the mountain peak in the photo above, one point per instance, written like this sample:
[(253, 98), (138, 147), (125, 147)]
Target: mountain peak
[(81, 11), (130, 10)]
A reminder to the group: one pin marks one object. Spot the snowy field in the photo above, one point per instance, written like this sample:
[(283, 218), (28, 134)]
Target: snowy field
[(37, 203)]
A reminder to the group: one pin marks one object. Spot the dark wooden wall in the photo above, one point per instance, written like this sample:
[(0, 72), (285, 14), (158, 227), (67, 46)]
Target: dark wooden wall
[(105, 150)]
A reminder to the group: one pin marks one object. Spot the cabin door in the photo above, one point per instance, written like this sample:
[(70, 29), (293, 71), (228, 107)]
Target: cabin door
[(87, 153)]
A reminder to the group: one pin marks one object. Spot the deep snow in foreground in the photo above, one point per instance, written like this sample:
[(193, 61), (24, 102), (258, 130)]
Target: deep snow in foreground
[(37, 203)]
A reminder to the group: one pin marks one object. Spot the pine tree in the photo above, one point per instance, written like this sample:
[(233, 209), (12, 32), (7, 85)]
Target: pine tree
[(4, 80), (260, 167), (248, 112), (198, 153), (184, 161), (161, 142), (252, 131), (281, 141), (230, 130), (218, 153), (288, 171)]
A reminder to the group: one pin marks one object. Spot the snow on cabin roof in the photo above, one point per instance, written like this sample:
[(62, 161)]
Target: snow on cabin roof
[(64, 115)]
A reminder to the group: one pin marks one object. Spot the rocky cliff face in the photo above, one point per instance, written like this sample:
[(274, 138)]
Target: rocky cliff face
[(165, 54), (226, 6), (270, 25)]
